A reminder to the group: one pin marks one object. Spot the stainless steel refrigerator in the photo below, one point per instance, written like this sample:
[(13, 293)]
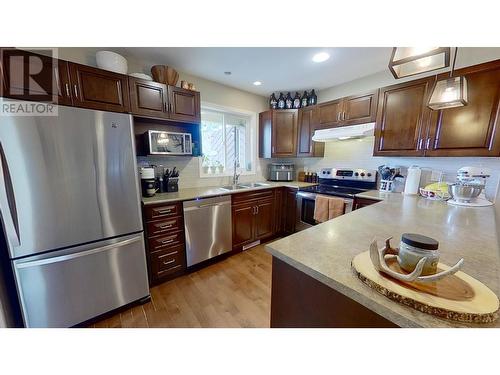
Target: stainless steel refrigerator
[(69, 201)]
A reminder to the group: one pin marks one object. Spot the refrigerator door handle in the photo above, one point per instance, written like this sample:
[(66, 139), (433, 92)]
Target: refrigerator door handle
[(65, 257), (6, 206)]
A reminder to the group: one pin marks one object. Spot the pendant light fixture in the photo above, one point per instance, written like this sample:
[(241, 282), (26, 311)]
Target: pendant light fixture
[(408, 61), (449, 92)]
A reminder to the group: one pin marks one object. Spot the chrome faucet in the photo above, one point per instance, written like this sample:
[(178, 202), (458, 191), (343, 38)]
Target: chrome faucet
[(236, 176)]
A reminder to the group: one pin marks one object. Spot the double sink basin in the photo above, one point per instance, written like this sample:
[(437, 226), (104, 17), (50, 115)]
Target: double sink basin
[(244, 186)]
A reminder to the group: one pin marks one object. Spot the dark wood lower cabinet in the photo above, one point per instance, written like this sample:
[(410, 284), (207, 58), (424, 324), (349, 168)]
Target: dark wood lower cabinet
[(289, 210), (363, 202), (300, 301), (243, 228), (165, 241), (253, 217)]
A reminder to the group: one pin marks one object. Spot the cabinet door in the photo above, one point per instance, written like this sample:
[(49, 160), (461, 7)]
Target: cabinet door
[(48, 78), (471, 130), (264, 220), (307, 123), (99, 89), (362, 202), (148, 98), (290, 212), (330, 113), (243, 224), (284, 133), (402, 119), (360, 109), (184, 105), (278, 210)]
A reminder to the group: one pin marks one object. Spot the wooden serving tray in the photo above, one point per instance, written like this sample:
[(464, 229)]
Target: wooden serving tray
[(458, 297)]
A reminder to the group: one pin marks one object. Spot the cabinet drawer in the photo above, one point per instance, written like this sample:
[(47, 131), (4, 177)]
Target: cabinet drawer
[(253, 196), (155, 228), (164, 210), (166, 242), (167, 261)]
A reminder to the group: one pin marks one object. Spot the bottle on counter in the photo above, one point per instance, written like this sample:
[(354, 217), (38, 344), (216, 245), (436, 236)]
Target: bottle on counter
[(307, 177), (281, 101), (288, 101), (296, 101), (304, 99), (313, 98), (273, 102)]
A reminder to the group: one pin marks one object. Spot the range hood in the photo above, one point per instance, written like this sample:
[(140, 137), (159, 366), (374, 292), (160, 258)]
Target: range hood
[(344, 132)]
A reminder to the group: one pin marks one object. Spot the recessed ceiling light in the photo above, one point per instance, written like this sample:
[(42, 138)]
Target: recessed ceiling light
[(320, 57), (257, 83), (227, 73)]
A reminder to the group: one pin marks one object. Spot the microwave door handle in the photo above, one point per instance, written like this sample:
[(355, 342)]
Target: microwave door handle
[(7, 205)]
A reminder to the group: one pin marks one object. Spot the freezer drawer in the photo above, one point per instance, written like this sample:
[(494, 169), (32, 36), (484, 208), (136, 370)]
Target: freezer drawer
[(67, 287), (207, 224)]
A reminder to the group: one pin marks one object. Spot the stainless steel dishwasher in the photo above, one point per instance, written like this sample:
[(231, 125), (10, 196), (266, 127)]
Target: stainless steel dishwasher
[(207, 224)]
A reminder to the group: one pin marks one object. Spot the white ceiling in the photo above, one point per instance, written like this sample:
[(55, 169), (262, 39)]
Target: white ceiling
[(279, 69)]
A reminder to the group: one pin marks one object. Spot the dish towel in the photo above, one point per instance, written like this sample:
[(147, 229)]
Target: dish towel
[(327, 208)]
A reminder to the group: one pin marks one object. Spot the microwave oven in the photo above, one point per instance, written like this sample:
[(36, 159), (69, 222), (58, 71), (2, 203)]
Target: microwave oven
[(159, 142)]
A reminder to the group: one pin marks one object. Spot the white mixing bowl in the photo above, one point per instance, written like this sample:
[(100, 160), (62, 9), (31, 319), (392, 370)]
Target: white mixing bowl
[(111, 61)]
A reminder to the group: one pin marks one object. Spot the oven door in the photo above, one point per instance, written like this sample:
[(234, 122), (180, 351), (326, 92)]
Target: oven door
[(305, 209)]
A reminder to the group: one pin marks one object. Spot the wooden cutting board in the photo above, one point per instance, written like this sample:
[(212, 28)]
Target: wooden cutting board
[(458, 297)]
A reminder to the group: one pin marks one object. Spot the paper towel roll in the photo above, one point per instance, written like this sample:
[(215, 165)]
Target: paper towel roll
[(412, 180)]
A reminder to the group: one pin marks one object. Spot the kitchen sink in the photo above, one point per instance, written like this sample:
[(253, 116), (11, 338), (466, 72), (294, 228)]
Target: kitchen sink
[(255, 184), (244, 186), (234, 187)]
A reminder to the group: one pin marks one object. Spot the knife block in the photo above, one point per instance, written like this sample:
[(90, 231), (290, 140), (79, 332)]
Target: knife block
[(172, 184)]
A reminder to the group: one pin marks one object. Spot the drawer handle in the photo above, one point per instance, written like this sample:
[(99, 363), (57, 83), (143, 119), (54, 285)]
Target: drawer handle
[(169, 262), (167, 241), (165, 226), (167, 211), (169, 254)]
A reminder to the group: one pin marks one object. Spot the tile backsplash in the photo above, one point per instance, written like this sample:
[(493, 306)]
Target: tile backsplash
[(341, 154), (190, 173), (359, 153)]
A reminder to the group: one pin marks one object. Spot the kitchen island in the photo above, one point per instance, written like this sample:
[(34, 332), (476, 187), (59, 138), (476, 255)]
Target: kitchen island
[(313, 283)]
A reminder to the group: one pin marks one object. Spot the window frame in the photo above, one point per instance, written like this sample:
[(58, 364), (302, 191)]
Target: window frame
[(253, 131)]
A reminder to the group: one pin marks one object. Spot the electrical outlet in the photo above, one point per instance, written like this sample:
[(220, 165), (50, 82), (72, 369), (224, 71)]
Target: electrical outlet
[(436, 175)]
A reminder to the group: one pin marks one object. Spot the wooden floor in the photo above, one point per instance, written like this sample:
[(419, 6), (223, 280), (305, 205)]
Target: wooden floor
[(235, 292)]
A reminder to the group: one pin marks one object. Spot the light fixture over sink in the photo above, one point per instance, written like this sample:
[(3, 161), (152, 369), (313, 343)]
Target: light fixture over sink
[(408, 61), (449, 92)]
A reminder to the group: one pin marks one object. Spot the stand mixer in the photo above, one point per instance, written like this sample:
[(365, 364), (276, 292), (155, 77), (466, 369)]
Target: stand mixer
[(468, 190)]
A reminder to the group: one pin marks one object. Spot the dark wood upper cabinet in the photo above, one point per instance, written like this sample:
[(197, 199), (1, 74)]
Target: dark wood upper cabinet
[(359, 109), (30, 76), (471, 130), (402, 118), (184, 105), (148, 98), (284, 133), (352, 110), (330, 114), (99, 89), (307, 124), (278, 133)]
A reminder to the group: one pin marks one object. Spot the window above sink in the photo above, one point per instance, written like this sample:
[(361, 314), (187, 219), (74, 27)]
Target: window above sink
[(226, 134)]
